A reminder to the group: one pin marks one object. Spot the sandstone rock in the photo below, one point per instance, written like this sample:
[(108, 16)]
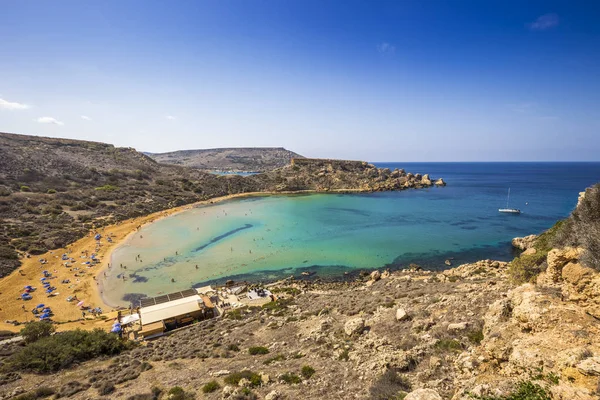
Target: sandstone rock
[(244, 383), (265, 378), (558, 258), (423, 394), (227, 392), (274, 395), (221, 373), (590, 366), (385, 274), (459, 326), (525, 242), (425, 180), (529, 251), (440, 182), (574, 273), (401, 315), (375, 275), (354, 326)]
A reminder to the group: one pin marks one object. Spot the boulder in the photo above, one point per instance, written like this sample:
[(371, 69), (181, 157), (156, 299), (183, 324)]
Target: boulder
[(525, 242), (459, 326), (385, 274), (590, 366), (529, 251), (274, 395), (354, 326), (440, 182), (423, 394), (574, 273), (558, 258), (401, 315), (425, 180), (375, 275)]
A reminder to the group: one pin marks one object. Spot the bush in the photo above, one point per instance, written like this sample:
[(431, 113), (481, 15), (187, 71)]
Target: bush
[(258, 350), (307, 371), (390, 386), (448, 345), (278, 357), (525, 390), (34, 331), (108, 188), (210, 387), (60, 351), (106, 388), (475, 336), (235, 378), (290, 378), (25, 188), (51, 191), (177, 393), (526, 267), (233, 347)]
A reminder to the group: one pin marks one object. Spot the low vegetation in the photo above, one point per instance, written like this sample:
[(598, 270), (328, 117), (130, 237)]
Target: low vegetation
[(211, 387), (525, 390), (257, 350), (235, 378), (52, 353)]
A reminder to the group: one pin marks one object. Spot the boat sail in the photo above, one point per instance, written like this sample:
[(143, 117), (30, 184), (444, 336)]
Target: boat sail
[(507, 209)]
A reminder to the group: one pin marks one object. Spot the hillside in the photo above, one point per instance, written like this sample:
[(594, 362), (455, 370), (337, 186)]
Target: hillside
[(254, 159), (54, 191)]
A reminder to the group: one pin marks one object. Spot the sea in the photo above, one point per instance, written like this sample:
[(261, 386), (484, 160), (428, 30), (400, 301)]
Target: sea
[(334, 236)]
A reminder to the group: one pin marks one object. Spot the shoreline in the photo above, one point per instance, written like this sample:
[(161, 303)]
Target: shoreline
[(67, 314)]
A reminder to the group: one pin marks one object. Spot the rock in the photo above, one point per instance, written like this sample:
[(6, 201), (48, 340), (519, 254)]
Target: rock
[(375, 275), (401, 315), (385, 274), (274, 395), (265, 378), (423, 394), (221, 373), (574, 273), (558, 258), (590, 366), (425, 180), (440, 182), (227, 392), (529, 251), (525, 242), (354, 326), (460, 326), (244, 383)]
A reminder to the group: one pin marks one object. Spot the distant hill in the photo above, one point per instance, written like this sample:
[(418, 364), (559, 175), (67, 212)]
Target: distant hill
[(255, 159)]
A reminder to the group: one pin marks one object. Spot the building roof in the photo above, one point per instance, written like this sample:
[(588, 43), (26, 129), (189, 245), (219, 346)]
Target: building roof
[(170, 309), (205, 289), (152, 328), (150, 301)]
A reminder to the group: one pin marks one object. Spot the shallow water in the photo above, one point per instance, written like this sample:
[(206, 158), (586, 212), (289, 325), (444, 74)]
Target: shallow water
[(275, 236)]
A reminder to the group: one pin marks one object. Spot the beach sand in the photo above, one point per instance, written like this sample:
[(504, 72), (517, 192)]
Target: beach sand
[(86, 287)]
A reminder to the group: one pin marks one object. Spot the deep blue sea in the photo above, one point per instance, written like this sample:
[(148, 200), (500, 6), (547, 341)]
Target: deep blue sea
[(266, 238)]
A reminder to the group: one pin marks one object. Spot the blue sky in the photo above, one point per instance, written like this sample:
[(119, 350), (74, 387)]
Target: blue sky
[(374, 80)]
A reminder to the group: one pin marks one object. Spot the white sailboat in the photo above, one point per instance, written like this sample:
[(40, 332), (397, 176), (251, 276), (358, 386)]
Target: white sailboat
[(509, 210)]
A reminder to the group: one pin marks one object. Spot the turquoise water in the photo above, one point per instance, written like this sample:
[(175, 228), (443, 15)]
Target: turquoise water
[(270, 237)]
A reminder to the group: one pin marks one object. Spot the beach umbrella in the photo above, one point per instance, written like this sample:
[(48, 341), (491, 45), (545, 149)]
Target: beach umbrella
[(42, 279), (40, 306), (49, 290), (28, 287), (80, 304), (47, 309)]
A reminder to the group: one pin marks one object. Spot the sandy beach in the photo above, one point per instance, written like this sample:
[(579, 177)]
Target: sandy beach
[(85, 286)]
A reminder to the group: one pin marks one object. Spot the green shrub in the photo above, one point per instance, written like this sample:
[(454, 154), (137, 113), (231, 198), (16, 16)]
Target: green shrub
[(526, 268), (25, 188), (448, 345), (107, 188), (233, 347), (290, 378), (51, 191), (59, 351), (106, 388), (235, 378), (525, 390), (258, 350), (307, 371), (177, 393), (344, 356), (475, 336), (34, 331), (210, 387), (278, 357)]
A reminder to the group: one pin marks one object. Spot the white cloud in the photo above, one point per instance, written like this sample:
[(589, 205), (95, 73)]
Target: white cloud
[(544, 22), (49, 120), (170, 117), (85, 117), (386, 48), (9, 105)]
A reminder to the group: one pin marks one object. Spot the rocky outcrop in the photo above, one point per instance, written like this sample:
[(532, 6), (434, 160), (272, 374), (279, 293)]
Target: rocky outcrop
[(354, 326), (524, 243), (423, 394)]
